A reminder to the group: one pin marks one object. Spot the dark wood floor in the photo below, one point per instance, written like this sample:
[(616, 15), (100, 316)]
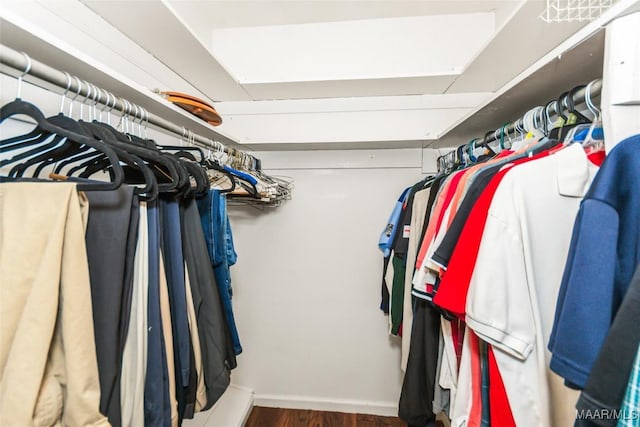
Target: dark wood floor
[(279, 417)]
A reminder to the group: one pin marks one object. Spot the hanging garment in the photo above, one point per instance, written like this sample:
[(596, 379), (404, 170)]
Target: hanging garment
[(441, 395), (214, 339), (167, 340), (217, 233), (156, 388), (612, 370), (460, 259), (534, 205), (418, 214), (400, 248), (172, 241), (201, 390), (385, 244), (48, 367), (134, 361), (605, 249), (416, 398), (631, 404), (112, 233)]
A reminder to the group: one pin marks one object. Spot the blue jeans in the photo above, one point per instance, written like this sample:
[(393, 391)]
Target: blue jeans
[(217, 233)]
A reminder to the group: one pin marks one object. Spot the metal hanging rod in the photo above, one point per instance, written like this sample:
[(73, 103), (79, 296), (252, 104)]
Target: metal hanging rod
[(21, 62), (551, 109)]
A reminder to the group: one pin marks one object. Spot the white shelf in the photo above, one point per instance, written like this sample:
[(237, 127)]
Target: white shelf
[(33, 39)]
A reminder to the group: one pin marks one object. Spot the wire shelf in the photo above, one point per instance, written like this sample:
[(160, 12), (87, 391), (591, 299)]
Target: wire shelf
[(575, 10)]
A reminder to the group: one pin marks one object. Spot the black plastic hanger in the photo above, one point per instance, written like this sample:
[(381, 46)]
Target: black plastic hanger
[(20, 107)]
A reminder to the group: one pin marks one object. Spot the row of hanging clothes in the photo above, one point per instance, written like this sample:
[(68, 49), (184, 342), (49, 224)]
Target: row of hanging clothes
[(115, 256), (512, 276)]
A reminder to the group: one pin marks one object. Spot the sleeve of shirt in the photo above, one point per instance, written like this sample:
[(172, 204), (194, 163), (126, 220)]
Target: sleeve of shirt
[(498, 303), (587, 297)]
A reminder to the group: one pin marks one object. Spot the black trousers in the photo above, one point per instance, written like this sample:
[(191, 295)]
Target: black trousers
[(416, 398), (111, 237), (214, 339)]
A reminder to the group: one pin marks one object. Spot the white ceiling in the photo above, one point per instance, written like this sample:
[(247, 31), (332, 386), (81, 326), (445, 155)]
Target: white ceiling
[(353, 50), (206, 15), (252, 58)]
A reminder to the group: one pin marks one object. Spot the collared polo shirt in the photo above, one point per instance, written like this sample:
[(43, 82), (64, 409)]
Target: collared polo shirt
[(605, 250), (517, 275)]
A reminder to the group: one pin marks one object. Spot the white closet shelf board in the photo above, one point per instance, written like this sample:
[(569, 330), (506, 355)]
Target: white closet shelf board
[(48, 49), (155, 27), (577, 60), (232, 410), (577, 66)]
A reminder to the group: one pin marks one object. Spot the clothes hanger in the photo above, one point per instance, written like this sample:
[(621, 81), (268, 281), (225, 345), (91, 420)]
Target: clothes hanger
[(20, 107), (39, 137), (37, 134), (594, 139), (64, 151), (136, 170), (556, 131), (195, 170), (214, 163), (247, 182), (170, 177)]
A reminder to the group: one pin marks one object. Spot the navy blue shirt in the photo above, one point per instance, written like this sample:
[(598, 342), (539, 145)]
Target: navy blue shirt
[(604, 252)]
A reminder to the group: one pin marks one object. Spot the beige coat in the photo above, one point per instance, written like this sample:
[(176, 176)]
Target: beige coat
[(48, 368)]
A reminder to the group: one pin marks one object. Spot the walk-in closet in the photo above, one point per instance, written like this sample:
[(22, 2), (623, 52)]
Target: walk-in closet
[(319, 213)]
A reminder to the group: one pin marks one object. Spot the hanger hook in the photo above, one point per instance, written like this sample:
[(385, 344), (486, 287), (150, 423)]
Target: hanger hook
[(123, 103), (146, 123), (96, 101), (85, 99), (590, 104), (92, 107), (111, 107), (24, 73), (105, 104), (65, 92), (136, 116), (75, 96), (547, 114)]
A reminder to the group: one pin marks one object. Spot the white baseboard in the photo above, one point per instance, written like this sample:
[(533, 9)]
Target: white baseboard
[(389, 409)]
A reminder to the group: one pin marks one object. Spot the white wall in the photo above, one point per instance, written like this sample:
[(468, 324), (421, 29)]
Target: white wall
[(307, 284)]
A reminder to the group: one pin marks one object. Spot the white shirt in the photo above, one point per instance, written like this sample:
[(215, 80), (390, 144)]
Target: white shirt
[(512, 294)]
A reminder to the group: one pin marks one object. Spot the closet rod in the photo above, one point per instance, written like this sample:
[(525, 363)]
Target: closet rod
[(17, 60), (595, 89)]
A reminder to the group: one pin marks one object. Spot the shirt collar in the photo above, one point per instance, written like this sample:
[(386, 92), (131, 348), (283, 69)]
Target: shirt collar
[(574, 171)]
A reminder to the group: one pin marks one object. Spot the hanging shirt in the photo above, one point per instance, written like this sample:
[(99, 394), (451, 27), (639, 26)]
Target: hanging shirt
[(399, 260), (534, 205), (438, 216), (385, 243), (631, 403), (605, 249), (605, 389)]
